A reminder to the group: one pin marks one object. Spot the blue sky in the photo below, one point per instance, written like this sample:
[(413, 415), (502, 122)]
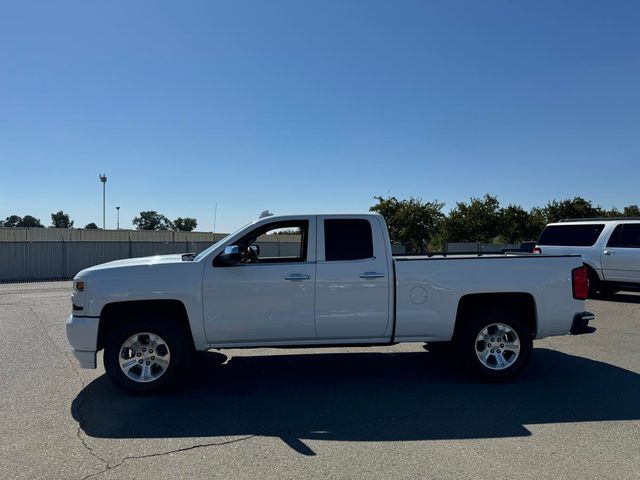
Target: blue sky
[(314, 106)]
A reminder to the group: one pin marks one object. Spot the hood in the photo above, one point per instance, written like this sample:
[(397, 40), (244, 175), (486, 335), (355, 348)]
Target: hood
[(132, 262)]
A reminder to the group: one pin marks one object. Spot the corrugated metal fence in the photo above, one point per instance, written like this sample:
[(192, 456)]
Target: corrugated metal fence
[(33, 254), (58, 254)]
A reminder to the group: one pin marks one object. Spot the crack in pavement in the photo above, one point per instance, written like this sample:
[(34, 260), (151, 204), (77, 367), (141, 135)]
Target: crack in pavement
[(79, 429), (282, 434), (109, 467), (76, 372)]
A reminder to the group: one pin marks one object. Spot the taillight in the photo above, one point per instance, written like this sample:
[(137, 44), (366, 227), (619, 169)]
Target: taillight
[(537, 250), (580, 282)]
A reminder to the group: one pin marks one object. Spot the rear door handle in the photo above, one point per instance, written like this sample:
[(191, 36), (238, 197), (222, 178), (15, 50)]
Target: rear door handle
[(609, 252), (371, 275), (296, 277)]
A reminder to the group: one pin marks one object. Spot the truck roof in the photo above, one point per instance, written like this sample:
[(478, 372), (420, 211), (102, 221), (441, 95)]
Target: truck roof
[(596, 219)]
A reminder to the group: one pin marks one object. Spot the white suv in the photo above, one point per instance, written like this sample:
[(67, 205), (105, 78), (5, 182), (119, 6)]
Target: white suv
[(610, 247)]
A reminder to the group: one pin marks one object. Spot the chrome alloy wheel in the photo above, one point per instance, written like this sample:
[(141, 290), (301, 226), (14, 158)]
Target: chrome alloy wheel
[(497, 346), (144, 357)]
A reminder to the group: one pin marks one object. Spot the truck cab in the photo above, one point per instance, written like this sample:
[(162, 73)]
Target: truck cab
[(334, 284)]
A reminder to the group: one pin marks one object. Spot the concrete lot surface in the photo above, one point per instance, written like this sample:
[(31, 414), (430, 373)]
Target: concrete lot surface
[(383, 412)]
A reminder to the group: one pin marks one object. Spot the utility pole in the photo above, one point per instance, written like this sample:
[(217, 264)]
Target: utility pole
[(215, 215), (103, 179), (118, 219)]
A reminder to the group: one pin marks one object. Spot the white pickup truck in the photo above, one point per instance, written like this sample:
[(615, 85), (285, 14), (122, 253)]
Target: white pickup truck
[(336, 284)]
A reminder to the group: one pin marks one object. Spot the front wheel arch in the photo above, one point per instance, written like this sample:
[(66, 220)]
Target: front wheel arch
[(115, 313)]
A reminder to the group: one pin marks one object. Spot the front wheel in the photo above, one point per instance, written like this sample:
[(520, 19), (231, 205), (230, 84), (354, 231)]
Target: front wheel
[(145, 356), (495, 346)]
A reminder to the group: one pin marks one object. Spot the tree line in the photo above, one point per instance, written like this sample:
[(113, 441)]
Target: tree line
[(147, 220), (423, 226), (418, 225)]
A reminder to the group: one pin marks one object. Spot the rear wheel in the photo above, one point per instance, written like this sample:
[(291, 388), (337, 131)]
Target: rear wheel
[(146, 356), (606, 291), (495, 346), (594, 284), (597, 287)]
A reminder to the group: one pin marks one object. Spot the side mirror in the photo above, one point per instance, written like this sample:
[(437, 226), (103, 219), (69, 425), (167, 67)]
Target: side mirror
[(230, 256)]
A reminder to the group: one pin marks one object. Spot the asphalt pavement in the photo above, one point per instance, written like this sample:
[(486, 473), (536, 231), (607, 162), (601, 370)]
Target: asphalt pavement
[(378, 412)]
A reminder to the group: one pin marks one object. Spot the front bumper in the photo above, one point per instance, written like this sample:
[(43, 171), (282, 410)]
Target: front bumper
[(82, 333), (580, 323)]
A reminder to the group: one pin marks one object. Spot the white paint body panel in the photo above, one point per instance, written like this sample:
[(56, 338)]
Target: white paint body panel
[(447, 280), (163, 277), (253, 305), (348, 306), (621, 265)]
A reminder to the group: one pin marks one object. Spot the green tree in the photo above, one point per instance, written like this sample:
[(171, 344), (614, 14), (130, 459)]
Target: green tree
[(412, 222), (185, 224), (91, 226), (631, 211), (61, 220), (535, 225), (285, 231), (514, 224), (152, 220), (31, 222), (578, 207), (12, 221), (628, 211), (476, 221), (614, 212)]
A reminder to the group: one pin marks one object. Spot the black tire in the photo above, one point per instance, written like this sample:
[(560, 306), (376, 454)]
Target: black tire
[(439, 347), (594, 284), (608, 291), (173, 337), (466, 345)]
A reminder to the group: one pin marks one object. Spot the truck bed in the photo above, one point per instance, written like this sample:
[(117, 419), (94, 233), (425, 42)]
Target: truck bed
[(428, 290)]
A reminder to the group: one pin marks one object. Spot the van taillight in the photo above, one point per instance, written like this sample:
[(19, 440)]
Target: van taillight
[(580, 282), (537, 250)]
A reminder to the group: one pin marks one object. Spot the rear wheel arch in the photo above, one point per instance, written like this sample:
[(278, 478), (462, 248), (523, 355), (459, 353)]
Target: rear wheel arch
[(593, 268), (519, 303)]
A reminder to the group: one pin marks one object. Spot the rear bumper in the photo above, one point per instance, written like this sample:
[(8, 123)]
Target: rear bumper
[(581, 322), (82, 333)]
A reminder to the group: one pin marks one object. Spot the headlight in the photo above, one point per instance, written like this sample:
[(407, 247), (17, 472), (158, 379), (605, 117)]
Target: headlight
[(77, 297)]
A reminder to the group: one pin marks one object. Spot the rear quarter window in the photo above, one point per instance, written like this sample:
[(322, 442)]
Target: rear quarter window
[(571, 235), (626, 236)]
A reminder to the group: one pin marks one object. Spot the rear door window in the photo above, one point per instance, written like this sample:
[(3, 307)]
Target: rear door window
[(347, 239), (571, 235), (626, 235)]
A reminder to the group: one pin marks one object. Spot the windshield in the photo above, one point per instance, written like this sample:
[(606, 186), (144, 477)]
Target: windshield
[(206, 252)]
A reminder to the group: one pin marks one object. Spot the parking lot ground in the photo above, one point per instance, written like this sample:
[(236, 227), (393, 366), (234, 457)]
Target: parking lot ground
[(377, 412)]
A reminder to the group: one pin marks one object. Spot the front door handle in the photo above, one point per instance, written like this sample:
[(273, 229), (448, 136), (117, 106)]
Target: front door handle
[(371, 275), (609, 252), (296, 277)]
